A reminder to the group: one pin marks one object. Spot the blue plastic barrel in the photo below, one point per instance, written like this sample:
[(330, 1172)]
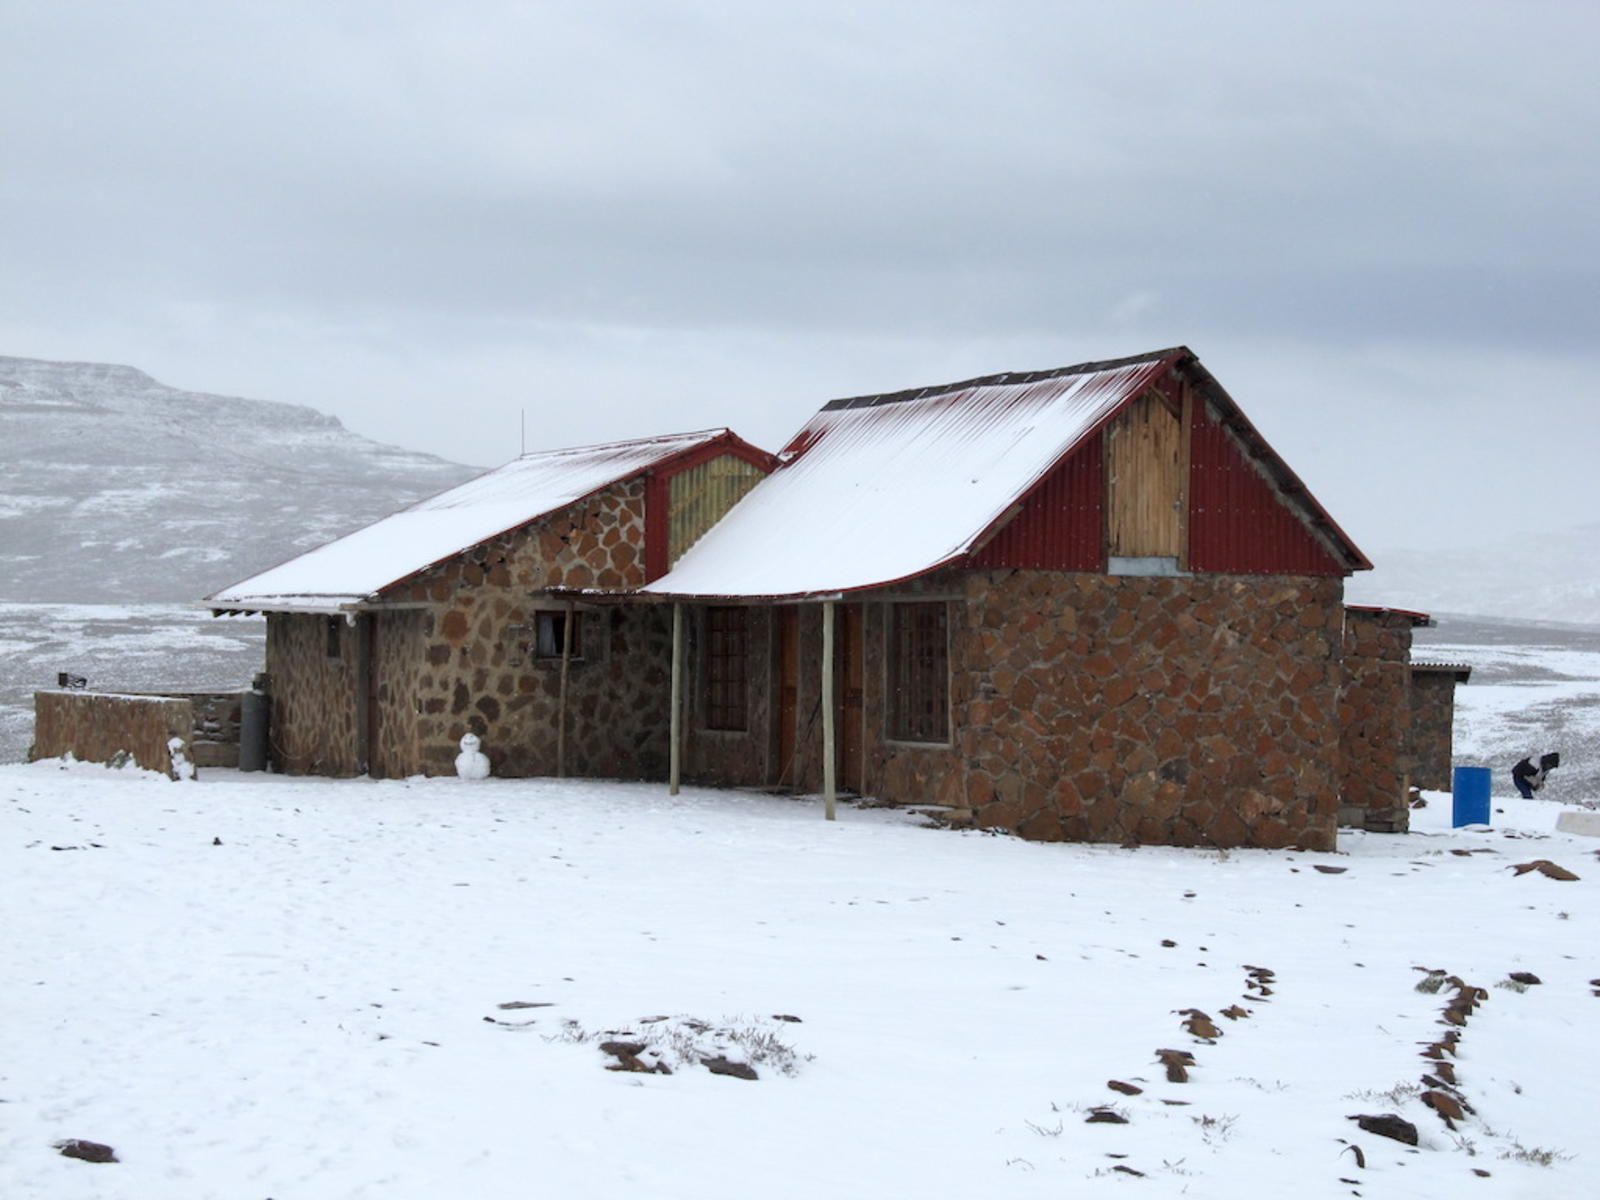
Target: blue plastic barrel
[(1470, 796)]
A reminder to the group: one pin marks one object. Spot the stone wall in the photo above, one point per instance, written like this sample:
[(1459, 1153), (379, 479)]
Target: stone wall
[(1198, 711), (96, 726), (313, 726), (399, 645), (214, 738), (1374, 717), (1433, 709)]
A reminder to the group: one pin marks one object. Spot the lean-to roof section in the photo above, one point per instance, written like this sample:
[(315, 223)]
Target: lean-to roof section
[(355, 568), (879, 489)]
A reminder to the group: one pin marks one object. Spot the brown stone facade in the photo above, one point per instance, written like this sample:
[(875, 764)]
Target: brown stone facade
[(1433, 713), (96, 726), (1180, 711), (456, 649), (1374, 721), (1186, 711)]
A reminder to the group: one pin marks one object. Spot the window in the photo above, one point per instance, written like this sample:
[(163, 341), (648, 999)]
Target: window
[(549, 630), (726, 643), (333, 636), (919, 673)]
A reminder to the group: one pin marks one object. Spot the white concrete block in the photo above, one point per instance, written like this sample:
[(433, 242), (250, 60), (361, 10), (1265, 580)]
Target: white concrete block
[(1585, 823)]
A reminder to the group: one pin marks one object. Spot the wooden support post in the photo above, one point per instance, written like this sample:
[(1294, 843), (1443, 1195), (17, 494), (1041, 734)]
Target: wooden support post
[(561, 702), (829, 754), (675, 725)]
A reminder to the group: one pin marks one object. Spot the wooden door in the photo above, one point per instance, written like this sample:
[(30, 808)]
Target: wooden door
[(788, 707), (849, 670)]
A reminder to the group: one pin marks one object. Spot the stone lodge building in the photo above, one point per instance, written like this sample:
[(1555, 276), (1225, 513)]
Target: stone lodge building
[(1089, 603)]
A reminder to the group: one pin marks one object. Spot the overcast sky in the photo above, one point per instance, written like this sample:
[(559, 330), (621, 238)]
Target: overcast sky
[(1375, 223)]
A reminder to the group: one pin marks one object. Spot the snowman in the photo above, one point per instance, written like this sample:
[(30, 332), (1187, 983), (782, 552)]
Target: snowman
[(472, 763)]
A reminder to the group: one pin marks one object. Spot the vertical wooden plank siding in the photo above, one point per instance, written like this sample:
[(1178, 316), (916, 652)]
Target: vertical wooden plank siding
[(1144, 488), (701, 496), (1062, 523), (1239, 523)]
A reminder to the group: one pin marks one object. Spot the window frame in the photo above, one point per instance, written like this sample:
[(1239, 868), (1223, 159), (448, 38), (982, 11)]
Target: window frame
[(549, 618), (725, 664), (902, 639)]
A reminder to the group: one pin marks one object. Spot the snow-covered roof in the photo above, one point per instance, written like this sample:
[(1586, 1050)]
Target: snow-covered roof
[(355, 568), (879, 489)]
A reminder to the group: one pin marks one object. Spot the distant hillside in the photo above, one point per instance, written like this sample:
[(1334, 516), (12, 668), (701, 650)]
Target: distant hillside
[(1545, 576), (116, 488)]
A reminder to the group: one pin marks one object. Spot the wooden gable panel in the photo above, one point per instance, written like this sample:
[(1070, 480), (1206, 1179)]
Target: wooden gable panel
[(701, 495), (1144, 482)]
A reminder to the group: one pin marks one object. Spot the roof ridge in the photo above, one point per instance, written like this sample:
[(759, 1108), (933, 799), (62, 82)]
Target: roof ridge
[(1003, 378), (708, 434)]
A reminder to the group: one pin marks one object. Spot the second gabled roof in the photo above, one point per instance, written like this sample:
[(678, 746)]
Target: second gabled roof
[(357, 567), (879, 489)]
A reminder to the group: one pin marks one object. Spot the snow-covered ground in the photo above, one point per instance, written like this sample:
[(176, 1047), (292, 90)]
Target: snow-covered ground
[(261, 987)]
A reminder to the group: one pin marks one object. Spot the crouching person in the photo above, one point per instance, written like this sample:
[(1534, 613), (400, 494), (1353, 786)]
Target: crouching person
[(1529, 774)]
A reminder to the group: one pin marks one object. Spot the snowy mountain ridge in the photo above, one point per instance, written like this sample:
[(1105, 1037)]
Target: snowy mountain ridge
[(117, 488)]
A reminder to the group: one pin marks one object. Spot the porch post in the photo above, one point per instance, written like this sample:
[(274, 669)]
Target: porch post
[(675, 754), (828, 753), (561, 703)]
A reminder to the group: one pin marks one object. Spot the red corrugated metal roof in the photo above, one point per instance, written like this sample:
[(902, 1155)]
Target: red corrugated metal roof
[(879, 489), (1062, 523)]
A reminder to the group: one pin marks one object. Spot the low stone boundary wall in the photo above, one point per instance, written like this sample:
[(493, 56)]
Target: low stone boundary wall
[(95, 726)]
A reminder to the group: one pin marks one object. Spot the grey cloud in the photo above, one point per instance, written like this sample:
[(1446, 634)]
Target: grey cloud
[(725, 213)]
